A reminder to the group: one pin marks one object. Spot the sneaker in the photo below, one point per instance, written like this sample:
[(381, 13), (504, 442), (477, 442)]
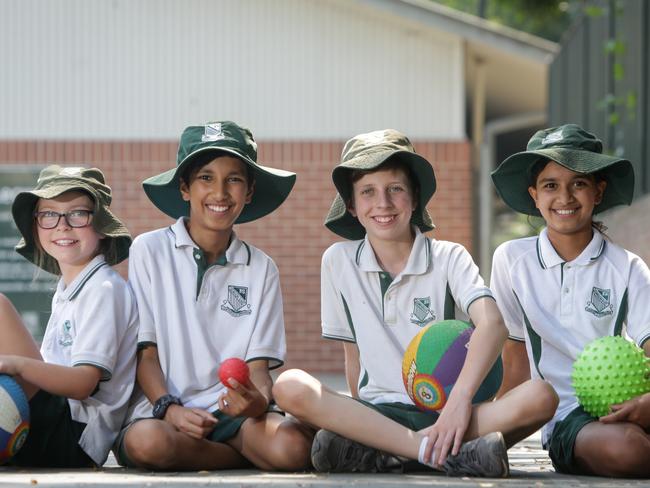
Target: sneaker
[(331, 453), (486, 457)]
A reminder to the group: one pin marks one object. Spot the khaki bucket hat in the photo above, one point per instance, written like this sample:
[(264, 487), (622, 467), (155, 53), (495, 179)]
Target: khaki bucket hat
[(370, 151), (574, 148), (272, 186), (54, 181)]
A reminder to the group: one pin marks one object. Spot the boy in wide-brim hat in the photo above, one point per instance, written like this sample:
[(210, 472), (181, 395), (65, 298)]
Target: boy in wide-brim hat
[(569, 286), (378, 290), (205, 296)]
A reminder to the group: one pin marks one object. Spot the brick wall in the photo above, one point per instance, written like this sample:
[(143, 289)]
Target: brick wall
[(294, 235)]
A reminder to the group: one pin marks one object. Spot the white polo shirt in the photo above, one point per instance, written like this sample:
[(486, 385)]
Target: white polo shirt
[(558, 307), (94, 321), (361, 304), (197, 316)]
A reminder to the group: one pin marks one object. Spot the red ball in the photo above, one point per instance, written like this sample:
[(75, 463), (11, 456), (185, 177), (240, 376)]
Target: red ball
[(236, 369)]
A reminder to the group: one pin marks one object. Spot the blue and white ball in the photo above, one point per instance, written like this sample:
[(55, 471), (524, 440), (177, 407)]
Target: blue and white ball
[(14, 417)]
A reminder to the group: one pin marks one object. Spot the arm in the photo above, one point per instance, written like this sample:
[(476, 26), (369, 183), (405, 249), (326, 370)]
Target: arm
[(149, 374), (516, 368), (635, 410), (484, 348), (195, 422), (76, 382), (352, 367)]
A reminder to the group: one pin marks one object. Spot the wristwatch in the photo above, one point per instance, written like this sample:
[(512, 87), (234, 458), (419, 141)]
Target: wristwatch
[(163, 403)]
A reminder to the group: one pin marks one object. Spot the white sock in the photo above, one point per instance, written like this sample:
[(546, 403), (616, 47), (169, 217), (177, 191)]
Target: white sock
[(423, 447)]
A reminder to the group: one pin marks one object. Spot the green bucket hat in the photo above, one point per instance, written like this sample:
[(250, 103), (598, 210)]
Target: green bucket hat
[(272, 186), (54, 181), (367, 152), (575, 149)]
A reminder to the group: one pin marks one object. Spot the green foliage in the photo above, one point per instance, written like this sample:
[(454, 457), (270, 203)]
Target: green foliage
[(544, 18)]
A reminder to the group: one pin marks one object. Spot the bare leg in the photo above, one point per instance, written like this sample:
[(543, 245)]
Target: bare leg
[(273, 442), (155, 444), (310, 401), (517, 414), (16, 339), (615, 450)]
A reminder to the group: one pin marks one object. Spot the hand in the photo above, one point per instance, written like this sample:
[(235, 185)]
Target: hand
[(243, 400), (11, 365), (446, 435), (194, 422), (635, 410)]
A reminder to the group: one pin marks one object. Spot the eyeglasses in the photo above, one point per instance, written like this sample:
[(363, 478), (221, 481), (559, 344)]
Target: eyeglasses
[(74, 218)]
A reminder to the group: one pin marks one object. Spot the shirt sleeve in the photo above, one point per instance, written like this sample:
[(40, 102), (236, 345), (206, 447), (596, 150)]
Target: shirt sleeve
[(268, 338), (102, 321), (335, 316), (465, 282), (501, 284), (140, 281), (638, 315)]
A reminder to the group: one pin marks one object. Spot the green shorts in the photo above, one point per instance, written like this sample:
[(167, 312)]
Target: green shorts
[(405, 414), (226, 429), (563, 440), (53, 439)]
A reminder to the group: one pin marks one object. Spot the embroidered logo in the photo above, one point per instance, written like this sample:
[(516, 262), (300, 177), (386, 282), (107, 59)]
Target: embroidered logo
[(69, 171), (212, 132), (556, 136), (65, 339), (237, 302), (422, 314), (600, 305)]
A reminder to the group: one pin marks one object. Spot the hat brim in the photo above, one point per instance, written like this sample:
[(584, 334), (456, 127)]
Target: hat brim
[(512, 178), (104, 222), (272, 187), (340, 221)]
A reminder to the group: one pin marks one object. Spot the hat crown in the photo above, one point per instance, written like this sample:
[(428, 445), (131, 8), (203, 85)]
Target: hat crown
[(55, 175), (569, 136), (379, 140), (225, 134)]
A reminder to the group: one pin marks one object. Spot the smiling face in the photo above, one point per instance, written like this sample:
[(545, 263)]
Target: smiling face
[(72, 247), (566, 199), (384, 201), (217, 193)]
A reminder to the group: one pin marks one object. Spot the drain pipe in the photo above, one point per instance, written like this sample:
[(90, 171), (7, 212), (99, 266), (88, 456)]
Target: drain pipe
[(487, 158)]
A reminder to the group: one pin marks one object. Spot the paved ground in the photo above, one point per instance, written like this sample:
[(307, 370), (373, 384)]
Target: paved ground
[(530, 466)]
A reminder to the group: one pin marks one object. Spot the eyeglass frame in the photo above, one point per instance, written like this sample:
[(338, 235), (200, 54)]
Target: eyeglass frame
[(89, 216)]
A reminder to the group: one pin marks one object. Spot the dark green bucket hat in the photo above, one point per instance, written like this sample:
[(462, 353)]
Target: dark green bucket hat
[(54, 181), (367, 152), (575, 149), (272, 186)]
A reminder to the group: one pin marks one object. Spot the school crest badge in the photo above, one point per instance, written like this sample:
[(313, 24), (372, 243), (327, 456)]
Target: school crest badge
[(212, 132), (555, 136), (600, 305), (65, 338), (422, 314), (237, 302)]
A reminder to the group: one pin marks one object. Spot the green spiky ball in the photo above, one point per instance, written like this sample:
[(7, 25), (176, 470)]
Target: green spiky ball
[(609, 370)]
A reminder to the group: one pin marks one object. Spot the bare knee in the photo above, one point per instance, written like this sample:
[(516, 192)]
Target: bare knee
[(148, 445), (545, 403), (6, 307), (293, 393), (292, 447), (620, 452), (628, 453)]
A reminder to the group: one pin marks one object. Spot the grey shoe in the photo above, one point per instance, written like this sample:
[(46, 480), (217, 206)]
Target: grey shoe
[(331, 453), (486, 457)]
